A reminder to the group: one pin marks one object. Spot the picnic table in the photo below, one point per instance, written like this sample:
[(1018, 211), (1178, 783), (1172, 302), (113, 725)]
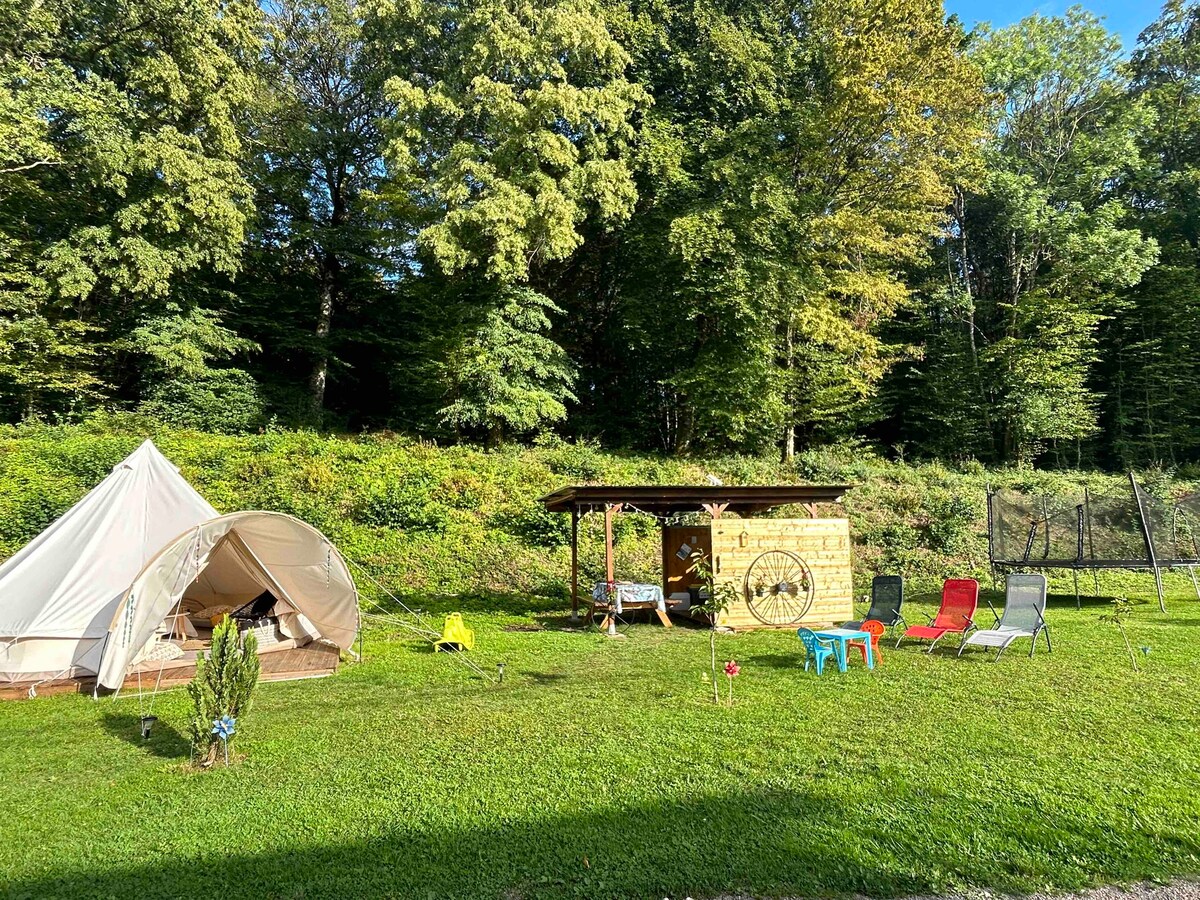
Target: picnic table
[(627, 596), (841, 638)]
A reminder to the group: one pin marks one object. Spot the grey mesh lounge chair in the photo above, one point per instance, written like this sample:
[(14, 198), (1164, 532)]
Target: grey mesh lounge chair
[(1024, 616), (887, 596)]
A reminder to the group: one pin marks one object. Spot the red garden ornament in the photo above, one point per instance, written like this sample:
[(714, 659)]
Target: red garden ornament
[(731, 669)]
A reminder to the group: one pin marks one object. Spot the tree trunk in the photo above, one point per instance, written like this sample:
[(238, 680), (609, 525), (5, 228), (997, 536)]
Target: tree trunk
[(789, 434), (683, 431), (330, 272), (320, 373)]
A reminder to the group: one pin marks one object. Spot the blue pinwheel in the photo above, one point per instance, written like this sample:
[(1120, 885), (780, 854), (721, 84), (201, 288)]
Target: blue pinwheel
[(224, 729)]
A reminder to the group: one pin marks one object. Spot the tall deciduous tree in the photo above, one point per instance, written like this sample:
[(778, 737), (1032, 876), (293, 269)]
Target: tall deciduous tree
[(1034, 261), (1153, 362), (319, 158), (511, 131), (511, 128), (796, 159), (120, 177)]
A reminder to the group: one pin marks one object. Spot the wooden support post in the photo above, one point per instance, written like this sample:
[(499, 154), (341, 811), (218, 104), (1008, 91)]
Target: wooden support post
[(574, 564), (666, 551), (609, 511), (811, 509), (715, 509)]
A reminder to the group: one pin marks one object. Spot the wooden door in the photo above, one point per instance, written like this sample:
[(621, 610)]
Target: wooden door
[(679, 542)]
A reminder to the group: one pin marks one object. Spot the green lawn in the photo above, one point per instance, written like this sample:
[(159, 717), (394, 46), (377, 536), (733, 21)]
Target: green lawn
[(599, 768)]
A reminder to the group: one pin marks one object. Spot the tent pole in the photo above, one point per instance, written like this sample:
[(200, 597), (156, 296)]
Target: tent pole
[(1075, 572), (574, 563), (1192, 572)]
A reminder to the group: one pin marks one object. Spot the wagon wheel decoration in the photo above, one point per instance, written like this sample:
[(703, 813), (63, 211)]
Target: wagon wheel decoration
[(779, 588)]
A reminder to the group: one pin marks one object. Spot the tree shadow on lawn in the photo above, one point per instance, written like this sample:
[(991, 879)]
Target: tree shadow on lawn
[(165, 740), (756, 841), (777, 660), (547, 679), (1168, 621), (515, 604), (1067, 601)]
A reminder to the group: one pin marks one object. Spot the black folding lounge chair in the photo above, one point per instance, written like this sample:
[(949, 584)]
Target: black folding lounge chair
[(887, 596), (257, 609)]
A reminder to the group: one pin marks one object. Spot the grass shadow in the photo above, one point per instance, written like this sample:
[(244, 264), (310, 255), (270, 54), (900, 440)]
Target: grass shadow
[(165, 740), (546, 678), (650, 849), (1170, 621), (778, 660), (1065, 601), (562, 622)]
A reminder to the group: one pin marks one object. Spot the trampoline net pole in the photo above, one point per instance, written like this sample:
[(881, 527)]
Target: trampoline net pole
[(1087, 504), (991, 524), (1140, 500)]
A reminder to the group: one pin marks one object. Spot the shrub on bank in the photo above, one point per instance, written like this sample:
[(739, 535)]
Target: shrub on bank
[(458, 521)]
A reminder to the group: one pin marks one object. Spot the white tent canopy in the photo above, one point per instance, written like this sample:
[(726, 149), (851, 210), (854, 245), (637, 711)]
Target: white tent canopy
[(229, 561), (127, 554), (59, 592)]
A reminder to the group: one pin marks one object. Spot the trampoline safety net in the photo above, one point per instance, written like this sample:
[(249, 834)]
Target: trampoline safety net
[(1124, 529)]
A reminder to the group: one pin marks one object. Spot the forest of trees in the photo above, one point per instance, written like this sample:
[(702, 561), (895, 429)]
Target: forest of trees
[(677, 225)]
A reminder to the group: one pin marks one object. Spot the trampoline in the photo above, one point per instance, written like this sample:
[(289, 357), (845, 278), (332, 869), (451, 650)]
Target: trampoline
[(1127, 529)]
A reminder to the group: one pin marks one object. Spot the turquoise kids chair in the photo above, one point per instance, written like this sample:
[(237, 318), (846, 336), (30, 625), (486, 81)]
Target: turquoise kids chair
[(815, 649)]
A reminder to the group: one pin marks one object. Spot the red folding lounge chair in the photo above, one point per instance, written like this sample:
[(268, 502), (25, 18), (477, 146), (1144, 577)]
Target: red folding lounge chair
[(956, 615)]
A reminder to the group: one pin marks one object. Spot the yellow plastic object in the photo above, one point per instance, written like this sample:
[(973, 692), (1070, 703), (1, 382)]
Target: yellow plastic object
[(455, 635)]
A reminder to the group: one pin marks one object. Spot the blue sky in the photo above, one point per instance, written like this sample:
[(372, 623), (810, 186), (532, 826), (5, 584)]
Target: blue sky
[(1127, 17)]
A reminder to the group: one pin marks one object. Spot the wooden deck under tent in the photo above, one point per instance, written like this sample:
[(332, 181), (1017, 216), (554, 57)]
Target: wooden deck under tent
[(283, 660)]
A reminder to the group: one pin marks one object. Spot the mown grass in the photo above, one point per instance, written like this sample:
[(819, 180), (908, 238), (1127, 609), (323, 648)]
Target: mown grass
[(600, 768)]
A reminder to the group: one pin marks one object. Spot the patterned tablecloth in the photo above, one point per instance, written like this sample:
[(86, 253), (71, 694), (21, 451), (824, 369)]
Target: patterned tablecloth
[(628, 592)]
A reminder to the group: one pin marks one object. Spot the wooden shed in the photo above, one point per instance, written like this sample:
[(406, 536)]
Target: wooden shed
[(784, 572)]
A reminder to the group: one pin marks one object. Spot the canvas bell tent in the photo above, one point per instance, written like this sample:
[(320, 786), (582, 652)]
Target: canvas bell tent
[(127, 584)]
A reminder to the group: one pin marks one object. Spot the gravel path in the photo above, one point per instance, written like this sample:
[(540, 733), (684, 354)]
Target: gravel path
[(1178, 890)]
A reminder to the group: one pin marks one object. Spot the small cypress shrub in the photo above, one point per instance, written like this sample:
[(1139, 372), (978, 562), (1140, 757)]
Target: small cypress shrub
[(223, 686)]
